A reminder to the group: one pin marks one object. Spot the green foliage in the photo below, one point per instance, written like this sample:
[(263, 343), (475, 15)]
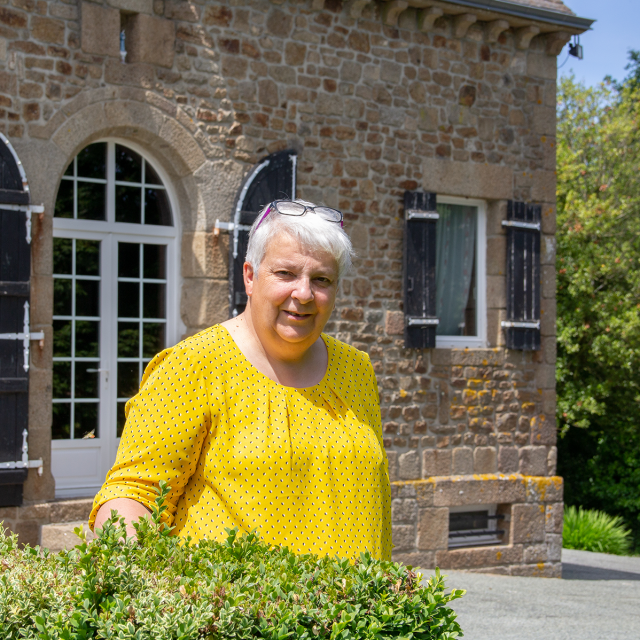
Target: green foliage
[(595, 531), (598, 371), (156, 587)]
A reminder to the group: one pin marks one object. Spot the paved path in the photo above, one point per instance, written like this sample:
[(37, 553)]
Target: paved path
[(597, 599)]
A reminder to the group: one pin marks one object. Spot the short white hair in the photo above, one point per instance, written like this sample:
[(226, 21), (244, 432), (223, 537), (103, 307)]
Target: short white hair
[(310, 230)]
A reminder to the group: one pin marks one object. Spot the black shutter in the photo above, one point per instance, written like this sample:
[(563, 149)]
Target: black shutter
[(419, 279), (15, 273), (522, 327), (271, 179)]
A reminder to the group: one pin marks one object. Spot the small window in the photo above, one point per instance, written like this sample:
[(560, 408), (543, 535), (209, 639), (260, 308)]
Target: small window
[(460, 273), (475, 526)]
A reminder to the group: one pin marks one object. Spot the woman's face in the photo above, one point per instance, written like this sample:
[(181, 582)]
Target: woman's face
[(292, 297)]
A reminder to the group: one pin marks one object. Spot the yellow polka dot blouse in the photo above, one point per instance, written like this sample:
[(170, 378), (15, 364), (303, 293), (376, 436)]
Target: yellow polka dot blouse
[(305, 467)]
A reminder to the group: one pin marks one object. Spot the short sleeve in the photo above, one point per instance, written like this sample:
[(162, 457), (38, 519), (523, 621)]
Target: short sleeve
[(167, 422)]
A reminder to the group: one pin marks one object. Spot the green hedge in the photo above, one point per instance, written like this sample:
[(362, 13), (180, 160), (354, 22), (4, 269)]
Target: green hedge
[(157, 587)]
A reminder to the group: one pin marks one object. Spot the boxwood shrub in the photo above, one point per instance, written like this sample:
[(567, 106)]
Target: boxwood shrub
[(155, 586)]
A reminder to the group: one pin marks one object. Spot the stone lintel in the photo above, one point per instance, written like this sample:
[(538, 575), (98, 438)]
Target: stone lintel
[(477, 489), (473, 180)]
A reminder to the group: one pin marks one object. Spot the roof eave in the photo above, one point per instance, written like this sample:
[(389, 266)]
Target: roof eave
[(523, 11)]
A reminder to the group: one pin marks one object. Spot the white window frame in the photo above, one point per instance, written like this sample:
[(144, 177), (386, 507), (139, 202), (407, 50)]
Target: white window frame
[(103, 449), (479, 341)]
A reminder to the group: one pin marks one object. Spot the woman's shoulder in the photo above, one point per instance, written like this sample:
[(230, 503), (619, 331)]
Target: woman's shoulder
[(345, 358), (191, 352), (203, 342)]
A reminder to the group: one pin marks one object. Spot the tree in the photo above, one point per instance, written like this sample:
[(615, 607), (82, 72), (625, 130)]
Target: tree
[(598, 266)]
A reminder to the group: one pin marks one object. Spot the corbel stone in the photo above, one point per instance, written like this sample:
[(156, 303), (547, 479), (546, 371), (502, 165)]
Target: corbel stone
[(356, 7), (461, 24), (391, 10), (495, 28), (427, 18), (555, 42), (525, 35), (317, 5)]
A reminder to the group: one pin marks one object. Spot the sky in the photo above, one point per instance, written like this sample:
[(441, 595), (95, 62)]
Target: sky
[(616, 30)]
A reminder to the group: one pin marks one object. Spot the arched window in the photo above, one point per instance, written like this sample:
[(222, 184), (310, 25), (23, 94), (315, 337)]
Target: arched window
[(115, 292)]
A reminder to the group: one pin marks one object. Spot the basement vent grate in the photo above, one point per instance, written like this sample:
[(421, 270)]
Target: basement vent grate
[(475, 528)]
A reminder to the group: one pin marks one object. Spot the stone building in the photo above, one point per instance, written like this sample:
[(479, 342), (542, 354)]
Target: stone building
[(139, 127)]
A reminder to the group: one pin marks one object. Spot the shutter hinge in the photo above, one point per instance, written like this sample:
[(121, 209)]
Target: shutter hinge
[(521, 225), (416, 321), (25, 463), (514, 324), (25, 336), (28, 209), (417, 214)]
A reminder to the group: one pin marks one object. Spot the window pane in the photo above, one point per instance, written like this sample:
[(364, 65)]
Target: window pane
[(128, 260), (61, 297), (120, 419), (87, 257), (150, 175), (61, 338), (62, 249), (128, 379), (128, 165), (86, 420), (64, 200), (128, 203), (61, 379), (128, 300), (87, 339), (153, 338), (154, 261), (128, 340), (156, 207), (86, 383), (69, 170), (61, 427), (88, 298), (91, 201), (455, 267), (92, 161), (153, 304)]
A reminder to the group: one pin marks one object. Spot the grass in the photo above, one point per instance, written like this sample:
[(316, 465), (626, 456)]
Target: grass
[(595, 531)]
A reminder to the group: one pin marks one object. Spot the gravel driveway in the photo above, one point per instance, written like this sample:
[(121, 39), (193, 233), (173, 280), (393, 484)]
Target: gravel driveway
[(598, 598)]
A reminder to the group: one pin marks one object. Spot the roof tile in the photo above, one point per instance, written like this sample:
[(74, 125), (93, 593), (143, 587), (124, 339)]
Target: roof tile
[(551, 5)]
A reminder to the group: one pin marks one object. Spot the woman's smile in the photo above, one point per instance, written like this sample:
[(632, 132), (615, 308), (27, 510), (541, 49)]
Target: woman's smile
[(297, 315)]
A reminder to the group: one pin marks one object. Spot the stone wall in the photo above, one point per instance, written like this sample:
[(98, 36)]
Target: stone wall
[(374, 105)]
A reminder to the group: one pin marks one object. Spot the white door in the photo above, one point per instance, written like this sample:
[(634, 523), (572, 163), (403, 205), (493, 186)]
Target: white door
[(115, 280)]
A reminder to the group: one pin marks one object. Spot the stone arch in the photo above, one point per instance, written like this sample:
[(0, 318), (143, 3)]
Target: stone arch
[(162, 133)]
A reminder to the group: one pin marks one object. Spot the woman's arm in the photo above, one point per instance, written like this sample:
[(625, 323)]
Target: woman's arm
[(129, 509), (167, 421)]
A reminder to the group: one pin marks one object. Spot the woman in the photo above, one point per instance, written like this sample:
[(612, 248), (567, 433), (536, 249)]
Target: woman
[(263, 422)]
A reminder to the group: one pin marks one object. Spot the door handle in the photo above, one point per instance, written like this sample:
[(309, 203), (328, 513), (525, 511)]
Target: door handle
[(410, 287), (106, 371)]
